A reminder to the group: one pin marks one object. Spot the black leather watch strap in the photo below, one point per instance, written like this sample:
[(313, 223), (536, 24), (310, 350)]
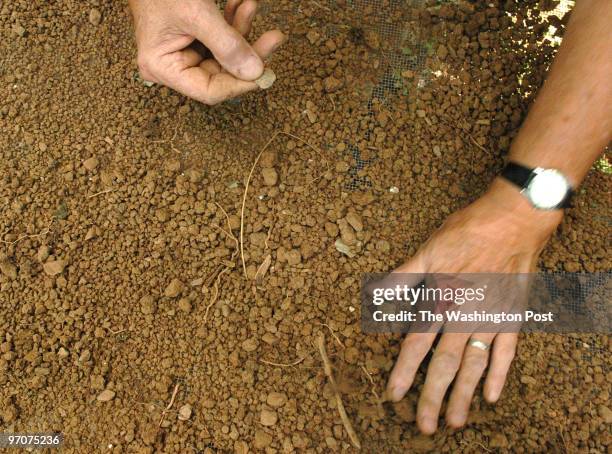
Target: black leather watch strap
[(521, 176), (517, 174)]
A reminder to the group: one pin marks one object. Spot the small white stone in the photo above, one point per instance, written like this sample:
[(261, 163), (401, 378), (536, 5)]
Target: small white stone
[(184, 412), (393, 189), (266, 80)]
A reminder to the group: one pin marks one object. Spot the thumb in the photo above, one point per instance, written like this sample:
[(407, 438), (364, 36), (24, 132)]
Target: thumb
[(228, 46)]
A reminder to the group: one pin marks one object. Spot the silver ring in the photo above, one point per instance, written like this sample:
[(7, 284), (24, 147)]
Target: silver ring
[(479, 344)]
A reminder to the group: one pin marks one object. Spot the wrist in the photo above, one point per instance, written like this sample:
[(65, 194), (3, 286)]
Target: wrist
[(505, 196)]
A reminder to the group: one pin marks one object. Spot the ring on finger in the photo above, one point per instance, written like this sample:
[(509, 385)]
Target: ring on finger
[(479, 344)]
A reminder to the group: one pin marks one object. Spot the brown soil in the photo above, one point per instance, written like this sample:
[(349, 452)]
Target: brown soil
[(122, 288)]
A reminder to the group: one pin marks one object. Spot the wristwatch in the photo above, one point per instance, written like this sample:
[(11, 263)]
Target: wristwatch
[(546, 189)]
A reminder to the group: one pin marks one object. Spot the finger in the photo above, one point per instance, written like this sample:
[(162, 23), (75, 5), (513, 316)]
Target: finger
[(191, 57), (243, 19), (473, 365), (268, 43), (211, 66), (230, 10), (504, 349), (228, 46), (207, 88), (440, 373), (414, 348)]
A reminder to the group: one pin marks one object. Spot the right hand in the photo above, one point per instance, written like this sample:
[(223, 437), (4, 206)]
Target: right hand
[(174, 38)]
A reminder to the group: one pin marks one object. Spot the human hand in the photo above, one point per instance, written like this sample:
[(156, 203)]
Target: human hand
[(499, 233), (175, 40)]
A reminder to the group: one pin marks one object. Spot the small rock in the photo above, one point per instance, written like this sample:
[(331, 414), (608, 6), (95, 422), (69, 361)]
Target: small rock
[(250, 345), (313, 36), (355, 221), (268, 159), (498, 440), (148, 305), (106, 395), (344, 248), (19, 30), (62, 353), (332, 229), (293, 257), (91, 163), (605, 413), (266, 80), (262, 439), (43, 253), (184, 412), (184, 305), (331, 84), (528, 380), (95, 17), (276, 400), (174, 289), (268, 418), (270, 176), (8, 269), (571, 267), (346, 232), (54, 268), (92, 233)]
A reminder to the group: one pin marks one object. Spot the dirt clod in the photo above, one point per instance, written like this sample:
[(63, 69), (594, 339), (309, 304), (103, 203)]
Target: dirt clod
[(106, 395), (54, 267)]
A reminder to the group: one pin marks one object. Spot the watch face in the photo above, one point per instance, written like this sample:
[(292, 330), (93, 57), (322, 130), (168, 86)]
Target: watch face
[(547, 189)]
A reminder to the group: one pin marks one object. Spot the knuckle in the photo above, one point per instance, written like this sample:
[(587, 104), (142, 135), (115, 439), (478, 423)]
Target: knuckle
[(447, 361), (476, 362)]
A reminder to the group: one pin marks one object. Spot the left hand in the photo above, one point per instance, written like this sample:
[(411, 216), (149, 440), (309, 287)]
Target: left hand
[(499, 233)]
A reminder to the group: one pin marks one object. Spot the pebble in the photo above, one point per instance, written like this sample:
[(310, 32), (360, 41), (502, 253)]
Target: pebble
[(331, 84), (293, 257), (268, 159), (184, 305), (276, 400), (262, 439), (43, 253), (250, 345), (92, 233), (95, 17), (8, 269), (266, 80), (19, 30), (174, 289), (605, 413), (91, 163), (332, 229), (498, 440), (106, 395), (148, 305), (270, 176), (355, 221), (268, 418), (54, 267), (184, 412), (62, 352)]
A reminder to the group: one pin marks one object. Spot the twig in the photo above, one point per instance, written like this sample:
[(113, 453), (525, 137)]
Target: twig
[(216, 294), (43, 233), (248, 182), (330, 376), (333, 334), (229, 228), (100, 193), (294, 363), (163, 416)]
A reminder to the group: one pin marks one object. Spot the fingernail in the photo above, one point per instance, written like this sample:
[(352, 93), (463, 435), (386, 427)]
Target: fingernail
[(251, 68)]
